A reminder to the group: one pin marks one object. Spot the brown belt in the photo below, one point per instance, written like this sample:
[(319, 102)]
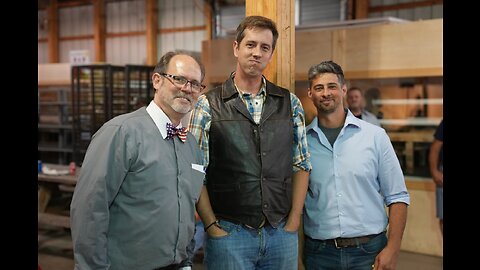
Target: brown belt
[(347, 242)]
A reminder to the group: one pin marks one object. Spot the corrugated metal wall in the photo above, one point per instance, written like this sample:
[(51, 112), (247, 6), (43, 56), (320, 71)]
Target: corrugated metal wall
[(75, 21), (310, 12), (412, 14), (180, 14), (126, 17), (129, 16), (318, 11)]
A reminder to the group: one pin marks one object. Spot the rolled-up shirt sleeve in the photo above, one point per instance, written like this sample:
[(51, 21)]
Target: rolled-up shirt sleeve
[(392, 180)]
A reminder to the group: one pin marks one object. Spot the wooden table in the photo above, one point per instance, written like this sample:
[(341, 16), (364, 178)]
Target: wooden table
[(47, 184)]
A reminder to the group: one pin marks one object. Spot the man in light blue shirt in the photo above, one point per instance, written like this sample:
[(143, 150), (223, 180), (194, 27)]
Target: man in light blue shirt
[(355, 173)]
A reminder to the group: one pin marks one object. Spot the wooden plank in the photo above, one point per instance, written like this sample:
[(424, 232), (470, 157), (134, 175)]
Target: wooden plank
[(361, 9), (395, 73), (182, 29), (208, 20), (54, 74), (99, 30), (408, 48), (427, 185), (52, 15), (285, 69), (411, 49), (412, 136), (267, 9), (312, 47), (152, 24), (53, 219)]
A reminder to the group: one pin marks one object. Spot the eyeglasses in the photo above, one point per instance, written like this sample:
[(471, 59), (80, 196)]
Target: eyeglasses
[(181, 81)]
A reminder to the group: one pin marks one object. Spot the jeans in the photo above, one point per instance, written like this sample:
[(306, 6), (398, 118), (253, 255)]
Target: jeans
[(243, 248), (320, 255), (199, 236)]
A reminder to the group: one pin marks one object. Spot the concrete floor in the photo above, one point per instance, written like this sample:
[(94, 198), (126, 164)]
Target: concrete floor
[(55, 253)]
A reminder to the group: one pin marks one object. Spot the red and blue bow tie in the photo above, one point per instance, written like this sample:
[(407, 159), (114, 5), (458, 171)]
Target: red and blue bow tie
[(180, 132)]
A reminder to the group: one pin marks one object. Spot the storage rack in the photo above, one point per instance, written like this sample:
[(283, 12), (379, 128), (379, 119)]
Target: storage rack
[(139, 85), (101, 92), (54, 125)]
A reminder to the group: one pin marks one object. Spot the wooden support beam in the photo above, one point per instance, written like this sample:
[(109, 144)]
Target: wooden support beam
[(75, 3), (99, 30), (281, 69), (52, 17), (181, 29), (361, 9), (208, 20), (152, 25)]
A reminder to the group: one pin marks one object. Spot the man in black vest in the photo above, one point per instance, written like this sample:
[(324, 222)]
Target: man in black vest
[(252, 133)]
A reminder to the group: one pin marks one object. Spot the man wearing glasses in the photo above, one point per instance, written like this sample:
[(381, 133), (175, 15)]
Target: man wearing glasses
[(134, 203)]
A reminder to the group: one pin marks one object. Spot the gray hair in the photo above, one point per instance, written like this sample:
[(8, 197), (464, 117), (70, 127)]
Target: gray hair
[(326, 67)]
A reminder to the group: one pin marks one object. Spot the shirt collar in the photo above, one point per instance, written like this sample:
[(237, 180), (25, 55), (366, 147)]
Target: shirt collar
[(159, 118), (349, 120), (262, 91)]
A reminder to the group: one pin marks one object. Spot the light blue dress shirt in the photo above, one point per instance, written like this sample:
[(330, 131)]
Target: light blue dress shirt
[(351, 182)]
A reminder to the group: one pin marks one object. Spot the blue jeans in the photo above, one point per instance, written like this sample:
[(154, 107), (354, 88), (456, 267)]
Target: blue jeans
[(199, 236), (246, 249), (320, 255)]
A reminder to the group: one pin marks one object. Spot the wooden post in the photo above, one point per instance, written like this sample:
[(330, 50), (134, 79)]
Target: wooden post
[(281, 70), (152, 25), (52, 13), (208, 20), (361, 9), (99, 30)]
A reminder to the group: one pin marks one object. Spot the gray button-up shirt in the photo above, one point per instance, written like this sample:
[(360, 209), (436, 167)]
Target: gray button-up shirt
[(134, 203)]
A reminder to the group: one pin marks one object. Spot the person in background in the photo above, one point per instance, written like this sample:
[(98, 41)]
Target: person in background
[(435, 158), (356, 104), (355, 174), (252, 133), (134, 204)]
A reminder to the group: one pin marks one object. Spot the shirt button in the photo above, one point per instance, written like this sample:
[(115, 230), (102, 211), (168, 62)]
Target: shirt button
[(265, 205), (264, 179), (264, 154), (339, 195)]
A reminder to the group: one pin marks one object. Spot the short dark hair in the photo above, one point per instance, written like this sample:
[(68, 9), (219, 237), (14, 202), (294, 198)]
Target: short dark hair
[(251, 22), (326, 67), (355, 88), (162, 64)]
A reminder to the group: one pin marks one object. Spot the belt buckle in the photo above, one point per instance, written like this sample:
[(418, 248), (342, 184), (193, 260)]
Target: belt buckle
[(342, 243), (336, 244)]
